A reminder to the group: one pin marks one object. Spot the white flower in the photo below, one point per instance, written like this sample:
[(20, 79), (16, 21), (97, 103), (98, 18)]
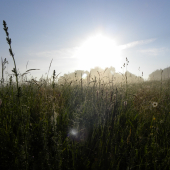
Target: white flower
[(154, 104)]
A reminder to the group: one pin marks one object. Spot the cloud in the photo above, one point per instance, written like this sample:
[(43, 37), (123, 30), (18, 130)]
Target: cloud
[(135, 43), (70, 52), (62, 53), (154, 51)]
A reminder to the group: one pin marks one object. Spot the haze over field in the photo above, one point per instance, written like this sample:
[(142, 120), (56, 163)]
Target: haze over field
[(82, 35)]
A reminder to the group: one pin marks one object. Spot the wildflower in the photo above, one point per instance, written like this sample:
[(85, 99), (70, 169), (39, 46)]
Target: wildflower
[(154, 104), (154, 118)]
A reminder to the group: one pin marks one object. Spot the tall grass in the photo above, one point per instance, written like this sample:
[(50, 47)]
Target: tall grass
[(84, 126)]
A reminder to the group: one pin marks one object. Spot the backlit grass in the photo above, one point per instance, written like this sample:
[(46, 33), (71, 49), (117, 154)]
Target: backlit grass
[(77, 125)]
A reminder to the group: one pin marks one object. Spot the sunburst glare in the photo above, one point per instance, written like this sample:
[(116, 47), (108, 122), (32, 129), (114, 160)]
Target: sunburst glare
[(100, 51)]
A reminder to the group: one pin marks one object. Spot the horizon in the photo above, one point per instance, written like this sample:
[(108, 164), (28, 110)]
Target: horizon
[(83, 35)]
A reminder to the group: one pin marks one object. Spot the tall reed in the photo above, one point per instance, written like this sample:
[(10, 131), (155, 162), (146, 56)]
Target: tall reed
[(11, 53)]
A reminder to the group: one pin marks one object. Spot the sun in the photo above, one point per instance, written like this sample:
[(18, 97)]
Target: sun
[(98, 51)]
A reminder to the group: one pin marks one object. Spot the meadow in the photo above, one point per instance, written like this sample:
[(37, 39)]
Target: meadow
[(83, 125)]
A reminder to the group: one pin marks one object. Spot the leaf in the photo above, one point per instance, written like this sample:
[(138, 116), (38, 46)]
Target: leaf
[(31, 70), (136, 116), (28, 71), (63, 149), (24, 74), (13, 70), (131, 123)]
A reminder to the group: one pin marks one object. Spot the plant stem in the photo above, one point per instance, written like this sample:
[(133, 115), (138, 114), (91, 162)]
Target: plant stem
[(11, 53)]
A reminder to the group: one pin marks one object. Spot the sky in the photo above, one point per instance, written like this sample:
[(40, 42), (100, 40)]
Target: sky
[(83, 34)]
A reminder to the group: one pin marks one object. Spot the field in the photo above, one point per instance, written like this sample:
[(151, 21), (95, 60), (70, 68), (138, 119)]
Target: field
[(77, 125)]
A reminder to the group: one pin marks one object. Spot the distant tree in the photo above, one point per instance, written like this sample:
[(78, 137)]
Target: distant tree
[(156, 75), (106, 76)]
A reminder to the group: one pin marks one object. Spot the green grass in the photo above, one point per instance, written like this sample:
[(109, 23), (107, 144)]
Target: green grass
[(84, 126)]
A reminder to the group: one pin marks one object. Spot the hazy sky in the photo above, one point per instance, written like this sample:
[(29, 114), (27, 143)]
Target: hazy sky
[(82, 34)]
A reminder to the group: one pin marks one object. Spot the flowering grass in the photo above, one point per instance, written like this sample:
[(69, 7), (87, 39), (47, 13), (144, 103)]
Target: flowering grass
[(84, 126)]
